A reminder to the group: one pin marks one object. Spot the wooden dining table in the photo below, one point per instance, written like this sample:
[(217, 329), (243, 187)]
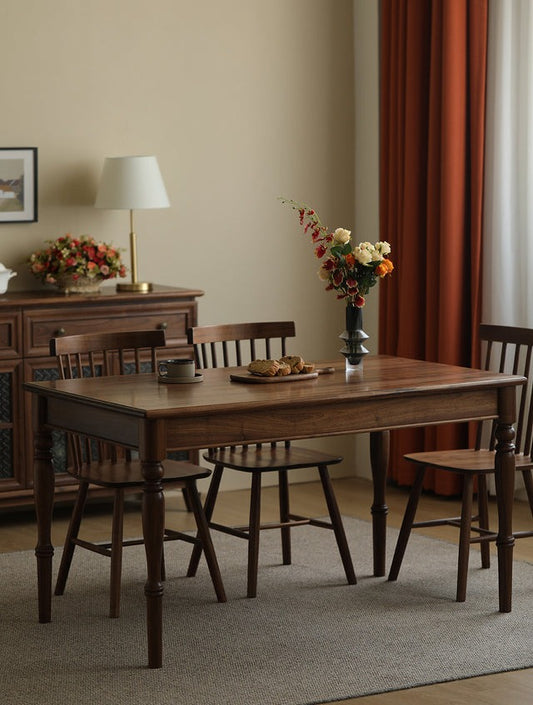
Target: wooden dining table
[(385, 393)]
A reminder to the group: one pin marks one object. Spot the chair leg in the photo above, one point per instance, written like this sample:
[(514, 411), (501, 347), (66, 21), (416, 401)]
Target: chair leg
[(528, 482), (116, 553), (284, 511), (407, 523), (186, 499), (207, 544), (208, 512), (464, 537), (253, 534), (163, 566), (72, 534), (338, 526), (483, 512)]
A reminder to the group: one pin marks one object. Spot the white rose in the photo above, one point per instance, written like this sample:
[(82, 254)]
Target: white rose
[(383, 247), (323, 274), (342, 236), (362, 255)]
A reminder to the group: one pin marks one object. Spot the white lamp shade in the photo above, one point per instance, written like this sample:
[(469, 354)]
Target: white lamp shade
[(131, 183)]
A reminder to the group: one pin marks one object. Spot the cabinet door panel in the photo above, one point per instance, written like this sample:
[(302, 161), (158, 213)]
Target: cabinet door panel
[(10, 335), (12, 460)]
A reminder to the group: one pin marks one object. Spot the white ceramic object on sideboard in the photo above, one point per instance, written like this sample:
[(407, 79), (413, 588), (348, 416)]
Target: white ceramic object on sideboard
[(5, 276)]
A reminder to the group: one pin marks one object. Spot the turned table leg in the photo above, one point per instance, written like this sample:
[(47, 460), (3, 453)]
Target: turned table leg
[(44, 504), (379, 458), (153, 521), (505, 473)]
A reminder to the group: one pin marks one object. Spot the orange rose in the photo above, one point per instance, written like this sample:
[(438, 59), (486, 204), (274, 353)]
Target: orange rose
[(384, 267), (350, 259)]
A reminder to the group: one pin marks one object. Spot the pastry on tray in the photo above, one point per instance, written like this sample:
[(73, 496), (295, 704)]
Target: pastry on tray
[(264, 368), (284, 369), (287, 365), (296, 363)]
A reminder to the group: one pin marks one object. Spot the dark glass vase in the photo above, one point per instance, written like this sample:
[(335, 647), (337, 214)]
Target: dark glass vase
[(353, 337)]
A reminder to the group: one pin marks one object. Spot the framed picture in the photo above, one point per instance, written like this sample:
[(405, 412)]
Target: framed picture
[(18, 184)]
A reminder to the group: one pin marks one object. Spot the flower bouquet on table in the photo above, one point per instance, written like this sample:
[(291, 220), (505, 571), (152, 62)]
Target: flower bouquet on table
[(350, 270), (70, 262)]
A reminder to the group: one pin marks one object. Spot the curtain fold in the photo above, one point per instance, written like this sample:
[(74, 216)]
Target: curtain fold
[(432, 87)]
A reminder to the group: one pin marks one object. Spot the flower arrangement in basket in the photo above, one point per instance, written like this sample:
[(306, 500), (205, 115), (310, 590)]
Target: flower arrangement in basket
[(350, 271), (76, 258)]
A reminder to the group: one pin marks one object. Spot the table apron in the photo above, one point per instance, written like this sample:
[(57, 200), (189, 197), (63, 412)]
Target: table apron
[(97, 422), (329, 419), (255, 425)]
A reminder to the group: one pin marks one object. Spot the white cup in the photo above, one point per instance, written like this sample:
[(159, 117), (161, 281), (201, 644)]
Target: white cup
[(176, 368)]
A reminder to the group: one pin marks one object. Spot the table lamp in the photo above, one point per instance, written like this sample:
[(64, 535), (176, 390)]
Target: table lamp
[(130, 183)]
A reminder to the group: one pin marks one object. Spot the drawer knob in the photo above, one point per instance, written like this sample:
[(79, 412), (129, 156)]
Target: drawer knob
[(60, 332), (163, 325)]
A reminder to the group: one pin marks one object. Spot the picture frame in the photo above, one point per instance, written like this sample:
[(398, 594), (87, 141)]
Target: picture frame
[(18, 184)]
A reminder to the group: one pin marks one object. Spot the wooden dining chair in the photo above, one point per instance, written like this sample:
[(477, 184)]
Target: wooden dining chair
[(508, 350), (113, 467), (236, 345)]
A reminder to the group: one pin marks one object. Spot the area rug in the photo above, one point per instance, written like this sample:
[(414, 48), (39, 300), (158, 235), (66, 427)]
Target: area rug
[(307, 638)]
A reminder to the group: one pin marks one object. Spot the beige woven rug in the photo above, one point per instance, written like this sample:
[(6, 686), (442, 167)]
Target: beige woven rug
[(306, 638)]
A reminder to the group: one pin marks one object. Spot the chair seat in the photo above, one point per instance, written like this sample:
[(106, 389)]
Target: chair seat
[(126, 474), (465, 460), (267, 458)]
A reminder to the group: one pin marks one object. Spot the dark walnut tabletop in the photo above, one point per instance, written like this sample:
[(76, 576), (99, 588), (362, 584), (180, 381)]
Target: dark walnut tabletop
[(380, 377)]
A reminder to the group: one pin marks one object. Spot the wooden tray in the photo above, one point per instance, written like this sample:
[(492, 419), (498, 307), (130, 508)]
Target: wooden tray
[(248, 378)]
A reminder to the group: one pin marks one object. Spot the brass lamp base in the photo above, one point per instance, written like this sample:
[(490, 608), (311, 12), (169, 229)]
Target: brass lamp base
[(134, 285), (142, 287)]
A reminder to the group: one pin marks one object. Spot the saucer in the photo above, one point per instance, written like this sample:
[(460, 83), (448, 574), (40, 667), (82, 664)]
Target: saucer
[(181, 380)]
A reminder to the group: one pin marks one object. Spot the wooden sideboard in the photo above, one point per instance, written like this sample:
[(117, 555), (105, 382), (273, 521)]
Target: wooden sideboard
[(28, 320)]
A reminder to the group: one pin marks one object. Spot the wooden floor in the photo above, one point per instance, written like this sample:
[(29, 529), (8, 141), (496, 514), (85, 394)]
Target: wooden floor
[(354, 496)]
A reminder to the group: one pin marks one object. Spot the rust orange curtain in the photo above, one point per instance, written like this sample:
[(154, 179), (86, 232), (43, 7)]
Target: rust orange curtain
[(433, 76)]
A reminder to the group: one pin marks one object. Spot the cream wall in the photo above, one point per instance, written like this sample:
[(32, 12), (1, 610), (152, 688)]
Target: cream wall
[(241, 101), (366, 164)]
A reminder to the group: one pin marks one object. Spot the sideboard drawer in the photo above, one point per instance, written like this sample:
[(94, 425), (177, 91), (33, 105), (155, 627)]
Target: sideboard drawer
[(40, 327)]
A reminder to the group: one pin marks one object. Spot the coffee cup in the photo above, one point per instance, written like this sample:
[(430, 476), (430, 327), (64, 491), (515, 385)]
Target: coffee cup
[(176, 368)]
